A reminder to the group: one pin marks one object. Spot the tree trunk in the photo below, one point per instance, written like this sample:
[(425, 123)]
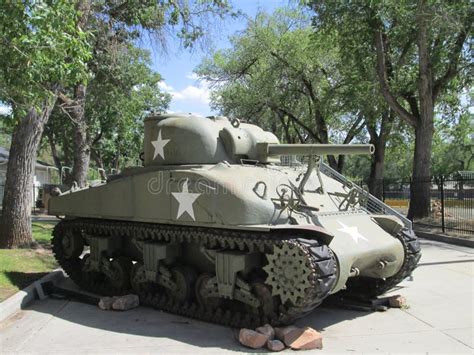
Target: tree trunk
[(420, 187), (100, 163), (54, 151), (333, 162), (82, 149), (377, 169), (15, 230)]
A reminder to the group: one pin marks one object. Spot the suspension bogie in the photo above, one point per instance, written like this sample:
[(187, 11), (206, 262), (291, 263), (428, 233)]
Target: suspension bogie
[(199, 271)]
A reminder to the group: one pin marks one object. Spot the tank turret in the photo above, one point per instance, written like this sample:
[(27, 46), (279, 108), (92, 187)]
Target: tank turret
[(214, 227)]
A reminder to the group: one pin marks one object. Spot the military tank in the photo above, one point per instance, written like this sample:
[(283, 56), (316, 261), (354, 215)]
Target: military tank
[(215, 227)]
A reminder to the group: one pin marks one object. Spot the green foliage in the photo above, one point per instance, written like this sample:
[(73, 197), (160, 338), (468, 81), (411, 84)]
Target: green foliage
[(123, 87), (41, 48), (121, 91), (281, 76), (453, 148), (356, 21), (188, 21)]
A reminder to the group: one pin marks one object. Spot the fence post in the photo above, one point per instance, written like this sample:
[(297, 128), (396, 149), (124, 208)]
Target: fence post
[(443, 227)]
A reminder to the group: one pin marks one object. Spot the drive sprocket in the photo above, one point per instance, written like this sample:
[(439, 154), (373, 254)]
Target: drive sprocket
[(288, 274)]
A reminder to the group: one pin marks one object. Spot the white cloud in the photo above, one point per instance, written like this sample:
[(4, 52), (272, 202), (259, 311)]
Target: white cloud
[(165, 87), (5, 110), (192, 76), (198, 93)]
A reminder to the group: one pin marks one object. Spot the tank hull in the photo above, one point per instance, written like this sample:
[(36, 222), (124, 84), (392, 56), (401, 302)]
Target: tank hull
[(211, 196), (212, 228)]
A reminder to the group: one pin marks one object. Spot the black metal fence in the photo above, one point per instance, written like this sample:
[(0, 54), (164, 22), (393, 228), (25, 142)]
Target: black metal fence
[(452, 202)]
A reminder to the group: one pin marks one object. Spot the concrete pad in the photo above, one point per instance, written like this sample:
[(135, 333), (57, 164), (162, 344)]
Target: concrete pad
[(439, 319)]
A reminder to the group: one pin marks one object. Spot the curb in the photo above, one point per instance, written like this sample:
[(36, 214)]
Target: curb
[(24, 297), (445, 239)]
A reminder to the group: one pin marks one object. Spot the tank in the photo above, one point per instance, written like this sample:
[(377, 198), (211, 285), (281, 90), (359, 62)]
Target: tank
[(214, 226)]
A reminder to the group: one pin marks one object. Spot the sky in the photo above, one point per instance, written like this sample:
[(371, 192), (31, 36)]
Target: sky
[(188, 93)]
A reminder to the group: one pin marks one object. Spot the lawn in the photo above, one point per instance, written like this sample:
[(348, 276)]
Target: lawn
[(20, 267)]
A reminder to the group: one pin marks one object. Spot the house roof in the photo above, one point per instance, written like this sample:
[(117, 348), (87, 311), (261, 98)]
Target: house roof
[(5, 154)]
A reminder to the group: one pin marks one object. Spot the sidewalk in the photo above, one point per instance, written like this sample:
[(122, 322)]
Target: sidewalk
[(439, 319)]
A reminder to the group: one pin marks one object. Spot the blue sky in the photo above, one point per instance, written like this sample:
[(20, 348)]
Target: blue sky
[(190, 94)]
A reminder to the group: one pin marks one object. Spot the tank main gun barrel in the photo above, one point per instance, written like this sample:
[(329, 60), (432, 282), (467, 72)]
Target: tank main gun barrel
[(266, 149)]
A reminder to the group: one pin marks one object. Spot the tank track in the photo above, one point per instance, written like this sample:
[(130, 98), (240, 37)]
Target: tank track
[(321, 264), (364, 287)]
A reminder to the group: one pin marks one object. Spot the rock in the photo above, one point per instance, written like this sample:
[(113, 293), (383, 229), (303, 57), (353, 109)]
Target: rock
[(105, 303), (397, 301), (124, 303), (280, 333), (301, 338), (252, 339), (267, 330), (275, 345)]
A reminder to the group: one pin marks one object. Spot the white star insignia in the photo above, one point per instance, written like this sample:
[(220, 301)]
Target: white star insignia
[(185, 200), (353, 232), (159, 144)]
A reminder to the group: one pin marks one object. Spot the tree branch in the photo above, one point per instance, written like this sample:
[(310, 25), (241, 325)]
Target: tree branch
[(382, 76), (452, 68)]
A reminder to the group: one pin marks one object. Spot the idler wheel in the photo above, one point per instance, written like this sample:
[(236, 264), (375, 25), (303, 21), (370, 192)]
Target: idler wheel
[(119, 276), (202, 292), (287, 272), (185, 278), (72, 244)]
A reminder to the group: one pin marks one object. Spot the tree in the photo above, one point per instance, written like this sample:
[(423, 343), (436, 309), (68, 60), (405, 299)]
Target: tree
[(453, 142), (42, 48), (122, 91), (420, 53), (279, 75), (116, 23)]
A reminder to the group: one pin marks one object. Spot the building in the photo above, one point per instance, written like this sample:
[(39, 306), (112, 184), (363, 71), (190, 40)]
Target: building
[(44, 174)]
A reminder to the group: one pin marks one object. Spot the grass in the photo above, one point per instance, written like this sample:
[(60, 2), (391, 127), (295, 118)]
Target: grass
[(20, 267), (42, 233)]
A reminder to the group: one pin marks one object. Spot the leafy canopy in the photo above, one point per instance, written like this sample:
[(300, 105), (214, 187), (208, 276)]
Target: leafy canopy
[(41, 48)]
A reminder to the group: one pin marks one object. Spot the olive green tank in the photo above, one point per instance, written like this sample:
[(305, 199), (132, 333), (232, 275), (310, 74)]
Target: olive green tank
[(214, 226)]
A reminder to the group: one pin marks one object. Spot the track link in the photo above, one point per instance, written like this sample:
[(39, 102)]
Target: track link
[(320, 262)]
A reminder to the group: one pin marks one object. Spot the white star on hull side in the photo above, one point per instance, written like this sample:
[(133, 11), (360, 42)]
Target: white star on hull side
[(185, 200), (353, 232)]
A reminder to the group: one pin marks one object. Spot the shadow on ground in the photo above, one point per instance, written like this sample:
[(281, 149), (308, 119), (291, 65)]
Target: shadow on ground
[(23, 279), (173, 329)]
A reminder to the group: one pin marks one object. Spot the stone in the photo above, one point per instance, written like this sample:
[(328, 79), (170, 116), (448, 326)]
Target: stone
[(124, 303), (397, 301), (267, 330), (302, 338), (275, 345), (252, 339), (105, 303), (280, 333)]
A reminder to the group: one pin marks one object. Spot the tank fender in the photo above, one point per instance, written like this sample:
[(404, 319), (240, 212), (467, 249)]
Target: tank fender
[(317, 232), (390, 224)]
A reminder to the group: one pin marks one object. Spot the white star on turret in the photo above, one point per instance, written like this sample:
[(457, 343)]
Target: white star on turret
[(185, 200), (353, 232), (159, 144)]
